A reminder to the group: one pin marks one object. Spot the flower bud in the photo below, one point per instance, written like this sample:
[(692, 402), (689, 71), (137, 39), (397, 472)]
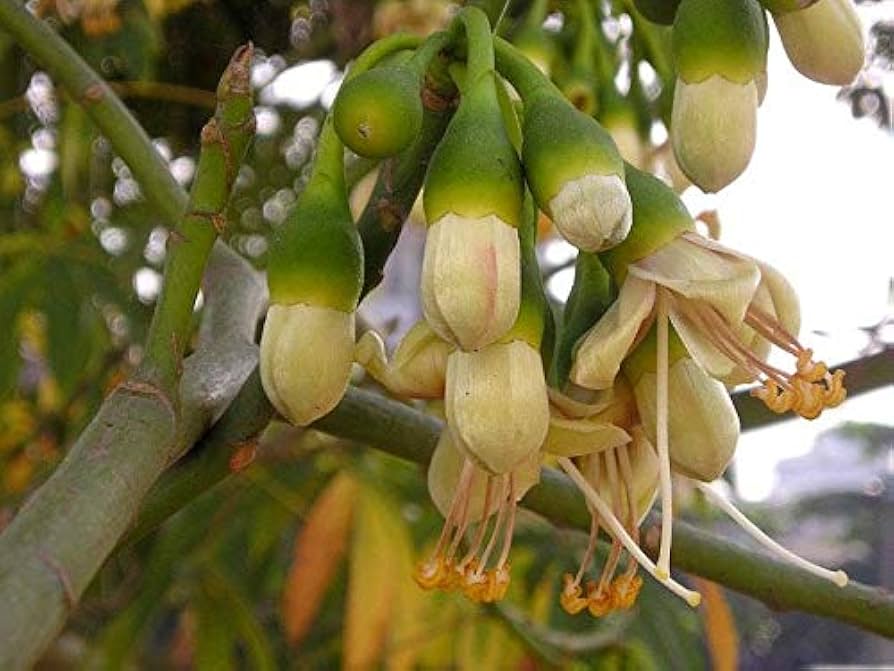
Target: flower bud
[(473, 204), (496, 404), (720, 50), (315, 275), (823, 41), (576, 174), (306, 356), (703, 427), (378, 113), (417, 368), (444, 474), (714, 126), (471, 279)]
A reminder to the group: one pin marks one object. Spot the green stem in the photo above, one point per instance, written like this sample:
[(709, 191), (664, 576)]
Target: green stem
[(479, 42), (225, 139), (368, 418), (527, 79), (582, 59)]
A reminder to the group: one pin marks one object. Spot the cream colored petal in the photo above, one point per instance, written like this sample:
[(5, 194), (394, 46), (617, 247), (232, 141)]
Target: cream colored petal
[(703, 427), (713, 127), (698, 272), (445, 469), (418, 367), (699, 345), (593, 212), (786, 306), (496, 404), (306, 357), (602, 349), (471, 279), (824, 41), (577, 409), (575, 437)]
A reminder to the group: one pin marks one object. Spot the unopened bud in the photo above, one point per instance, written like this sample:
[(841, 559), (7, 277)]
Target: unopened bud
[(306, 357), (824, 41), (471, 279)]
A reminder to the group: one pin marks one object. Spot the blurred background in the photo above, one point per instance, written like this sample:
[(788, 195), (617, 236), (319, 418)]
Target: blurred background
[(277, 567)]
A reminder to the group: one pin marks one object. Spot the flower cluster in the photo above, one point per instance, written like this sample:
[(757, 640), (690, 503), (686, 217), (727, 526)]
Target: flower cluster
[(629, 388)]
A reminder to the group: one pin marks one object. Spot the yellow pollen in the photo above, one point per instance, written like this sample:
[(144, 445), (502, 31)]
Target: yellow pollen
[(808, 391), (624, 590), (570, 599)]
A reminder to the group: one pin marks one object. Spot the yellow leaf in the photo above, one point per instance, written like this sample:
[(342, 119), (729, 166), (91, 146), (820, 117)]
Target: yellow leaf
[(720, 626), (319, 547), (373, 589)]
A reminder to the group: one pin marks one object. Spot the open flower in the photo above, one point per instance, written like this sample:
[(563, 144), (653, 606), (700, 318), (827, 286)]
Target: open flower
[(467, 497), (608, 456), (728, 310)]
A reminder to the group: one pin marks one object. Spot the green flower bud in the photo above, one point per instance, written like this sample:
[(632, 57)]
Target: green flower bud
[(720, 51), (658, 11), (316, 256), (720, 37), (659, 216), (315, 274), (474, 171), (473, 204), (824, 41), (378, 113), (575, 173)]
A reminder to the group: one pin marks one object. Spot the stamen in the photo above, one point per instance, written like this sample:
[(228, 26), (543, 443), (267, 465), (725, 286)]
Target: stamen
[(591, 548), (437, 572), (661, 436), (807, 391), (618, 531), (632, 526), (482, 526), (838, 577)]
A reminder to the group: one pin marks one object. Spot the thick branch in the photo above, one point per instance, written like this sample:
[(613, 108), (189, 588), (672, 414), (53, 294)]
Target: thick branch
[(57, 542), (368, 418)]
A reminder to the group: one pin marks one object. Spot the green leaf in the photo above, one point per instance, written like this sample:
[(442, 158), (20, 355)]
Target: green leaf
[(68, 326)]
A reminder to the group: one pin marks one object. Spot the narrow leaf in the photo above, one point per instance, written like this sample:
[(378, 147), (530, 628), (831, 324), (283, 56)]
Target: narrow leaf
[(319, 547), (720, 626)]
